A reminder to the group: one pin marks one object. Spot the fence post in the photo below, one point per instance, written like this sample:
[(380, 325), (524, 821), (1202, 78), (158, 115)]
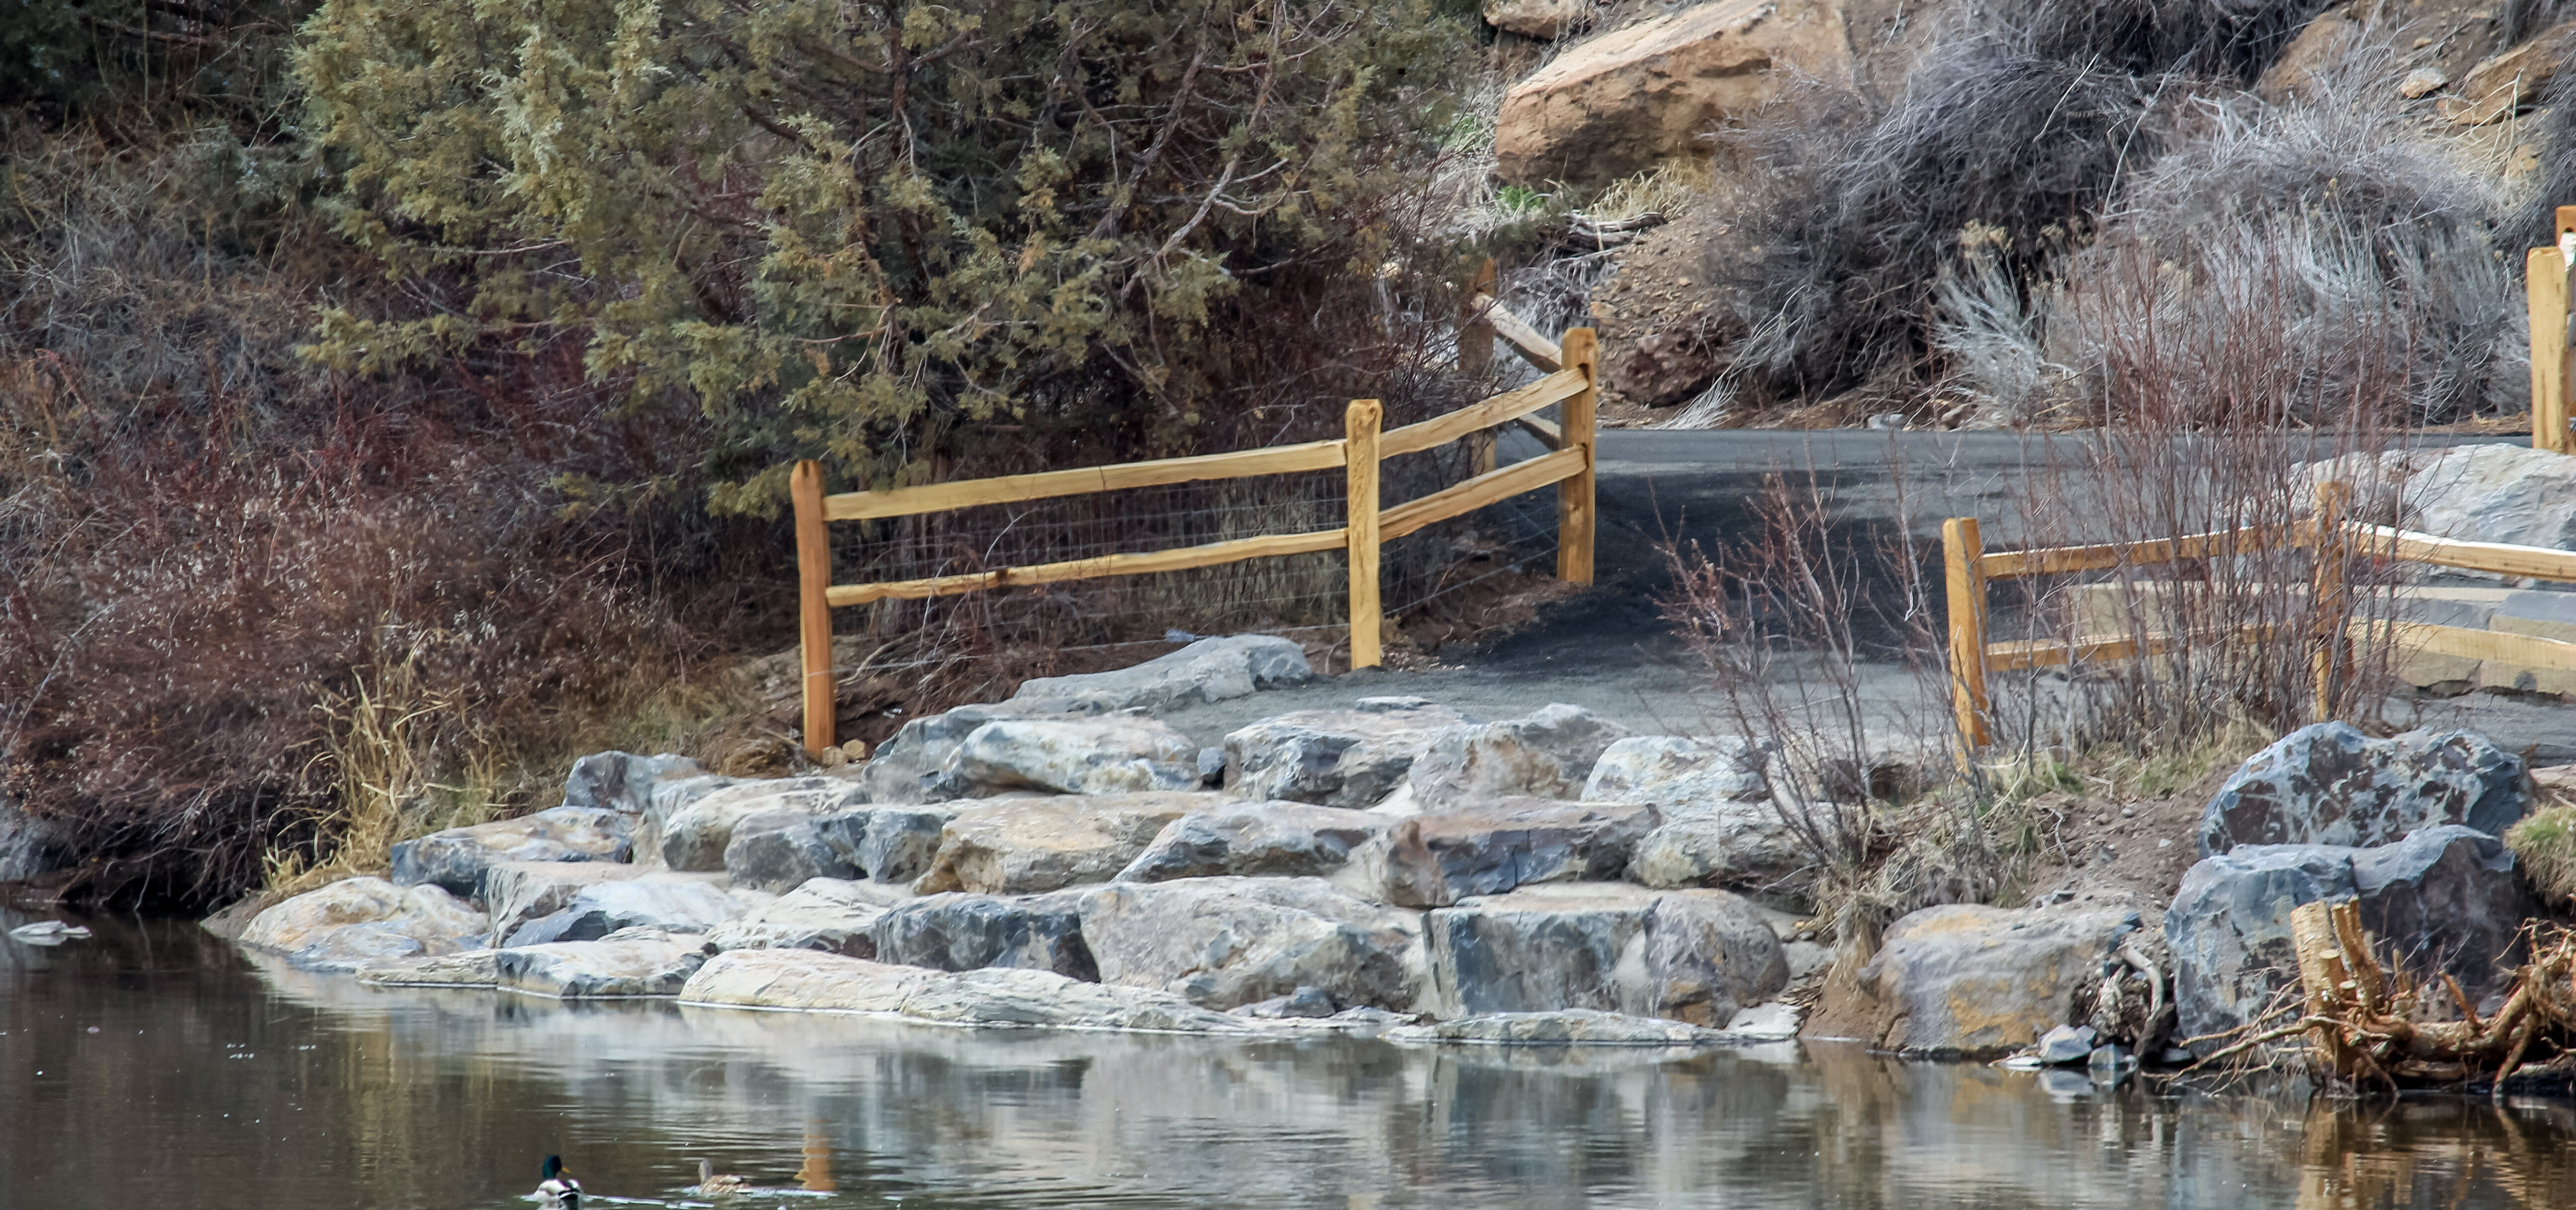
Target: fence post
[(1965, 555), (1574, 495), (2545, 284), (2326, 597), (1476, 358), (1359, 453), (814, 614)]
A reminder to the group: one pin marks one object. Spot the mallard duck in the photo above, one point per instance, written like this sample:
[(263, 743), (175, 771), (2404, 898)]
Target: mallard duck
[(558, 1191), (711, 1185)]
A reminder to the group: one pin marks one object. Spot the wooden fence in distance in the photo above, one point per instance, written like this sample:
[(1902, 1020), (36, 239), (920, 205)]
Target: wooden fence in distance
[(2553, 350), (1970, 568), (1369, 524)]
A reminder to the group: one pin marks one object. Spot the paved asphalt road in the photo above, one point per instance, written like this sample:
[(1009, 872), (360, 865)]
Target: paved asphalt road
[(1609, 649)]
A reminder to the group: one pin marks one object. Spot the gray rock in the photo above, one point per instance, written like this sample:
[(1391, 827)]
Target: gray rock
[(662, 901), (1026, 846), (1563, 1027), (2066, 1044), (623, 781), (1111, 754), (1209, 670), (695, 836), (520, 891), (457, 858), (1721, 825), (629, 963), (960, 932), (887, 844), (797, 979), (1695, 956), (355, 921), (1221, 942), (2444, 900), (1969, 980), (466, 968), (1549, 754), (828, 914), (777, 851), (1335, 758), (2329, 784), (670, 797), (803, 980), (28, 846), (1440, 857), (904, 768), (1303, 1004), (1268, 839)]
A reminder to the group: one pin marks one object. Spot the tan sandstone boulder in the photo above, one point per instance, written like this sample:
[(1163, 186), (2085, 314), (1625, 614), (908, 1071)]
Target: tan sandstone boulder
[(1616, 103)]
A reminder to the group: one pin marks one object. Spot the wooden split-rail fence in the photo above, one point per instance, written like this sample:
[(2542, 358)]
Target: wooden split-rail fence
[(1970, 568), (1570, 384), (2553, 345)]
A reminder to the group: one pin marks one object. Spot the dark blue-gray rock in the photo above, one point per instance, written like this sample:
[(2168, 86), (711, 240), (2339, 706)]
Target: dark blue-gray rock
[(2444, 900), (2066, 1044), (623, 781), (1548, 754), (355, 921), (1694, 956), (777, 851), (962, 932), (887, 844), (458, 858), (1209, 670), (630, 963), (904, 767), (1440, 857), (1972, 981), (1091, 754), (828, 914), (1269, 840), (672, 903), (694, 837), (1027, 846), (1226, 941), (2329, 784), (1335, 758)]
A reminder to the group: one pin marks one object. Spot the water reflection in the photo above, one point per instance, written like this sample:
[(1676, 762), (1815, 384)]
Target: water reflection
[(152, 1066)]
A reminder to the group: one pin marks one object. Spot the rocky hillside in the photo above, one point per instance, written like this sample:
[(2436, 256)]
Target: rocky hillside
[(1956, 210)]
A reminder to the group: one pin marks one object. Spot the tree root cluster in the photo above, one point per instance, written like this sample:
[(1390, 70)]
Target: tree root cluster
[(2369, 1025)]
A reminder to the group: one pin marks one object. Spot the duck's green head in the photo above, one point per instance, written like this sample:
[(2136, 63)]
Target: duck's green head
[(553, 1168)]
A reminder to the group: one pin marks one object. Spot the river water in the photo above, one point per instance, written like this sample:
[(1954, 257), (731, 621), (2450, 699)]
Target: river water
[(152, 1066)]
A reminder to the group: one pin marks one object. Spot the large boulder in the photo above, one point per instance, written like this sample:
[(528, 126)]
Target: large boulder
[(1269, 839), (1108, 754), (464, 968), (803, 980), (1545, 19), (1025, 846), (2329, 784), (517, 892), (887, 844), (622, 781), (1209, 670), (790, 979), (1972, 981), (1335, 758), (355, 921), (1620, 102), (777, 851), (1721, 824), (906, 768), (1220, 942), (2479, 493), (1694, 956), (2445, 900), (669, 902), (1440, 857), (457, 858), (630, 963), (695, 836), (830, 914), (961, 932), (1548, 754)]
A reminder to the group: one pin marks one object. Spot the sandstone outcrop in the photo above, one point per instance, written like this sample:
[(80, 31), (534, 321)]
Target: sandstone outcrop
[(1972, 981), (1025, 846)]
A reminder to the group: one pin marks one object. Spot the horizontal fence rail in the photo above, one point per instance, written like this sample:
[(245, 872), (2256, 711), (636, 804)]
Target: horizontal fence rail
[(1969, 567), (1570, 384)]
